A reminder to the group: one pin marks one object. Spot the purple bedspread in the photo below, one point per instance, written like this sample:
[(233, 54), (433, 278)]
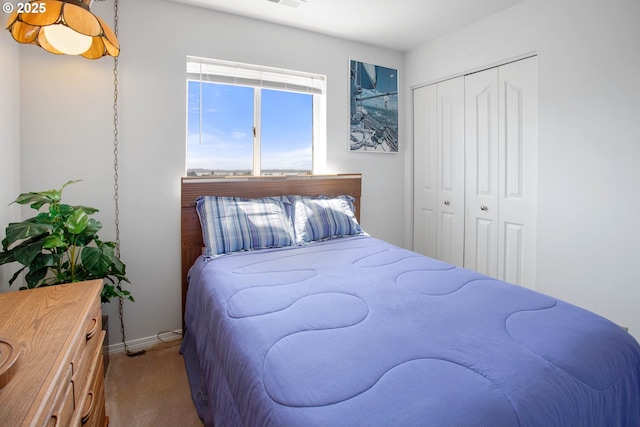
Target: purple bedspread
[(357, 332)]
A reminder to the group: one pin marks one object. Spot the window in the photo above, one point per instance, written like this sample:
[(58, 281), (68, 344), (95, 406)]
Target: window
[(249, 120)]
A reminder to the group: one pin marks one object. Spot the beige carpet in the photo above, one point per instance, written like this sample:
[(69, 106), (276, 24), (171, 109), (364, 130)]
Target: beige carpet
[(149, 390)]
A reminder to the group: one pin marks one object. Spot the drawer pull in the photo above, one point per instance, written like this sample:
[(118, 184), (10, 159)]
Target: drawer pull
[(94, 328), (88, 408), (54, 421)]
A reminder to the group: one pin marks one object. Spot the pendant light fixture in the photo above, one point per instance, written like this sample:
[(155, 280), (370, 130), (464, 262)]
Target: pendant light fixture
[(63, 27)]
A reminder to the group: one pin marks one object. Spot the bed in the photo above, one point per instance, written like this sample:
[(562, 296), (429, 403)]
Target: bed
[(353, 331)]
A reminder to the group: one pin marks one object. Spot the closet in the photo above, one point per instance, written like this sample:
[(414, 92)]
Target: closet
[(475, 171)]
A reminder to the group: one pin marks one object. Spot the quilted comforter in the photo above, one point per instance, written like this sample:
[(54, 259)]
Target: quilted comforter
[(358, 332)]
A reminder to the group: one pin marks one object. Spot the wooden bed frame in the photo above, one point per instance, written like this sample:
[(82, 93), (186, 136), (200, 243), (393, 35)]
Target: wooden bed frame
[(250, 187)]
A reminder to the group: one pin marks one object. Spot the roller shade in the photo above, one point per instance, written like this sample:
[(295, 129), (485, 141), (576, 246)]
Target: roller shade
[(234, 73)]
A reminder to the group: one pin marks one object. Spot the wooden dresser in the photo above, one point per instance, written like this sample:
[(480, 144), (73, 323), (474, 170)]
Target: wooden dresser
[(58, 377)]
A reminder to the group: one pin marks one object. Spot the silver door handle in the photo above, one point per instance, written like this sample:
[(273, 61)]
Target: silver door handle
[(447, 203), (484, 208)]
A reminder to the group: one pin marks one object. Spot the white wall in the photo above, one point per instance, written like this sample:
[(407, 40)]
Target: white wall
[(72, 136), (9, 144), (589, 133)]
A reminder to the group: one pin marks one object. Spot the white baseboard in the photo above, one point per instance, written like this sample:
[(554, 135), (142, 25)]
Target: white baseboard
[(144, 343)]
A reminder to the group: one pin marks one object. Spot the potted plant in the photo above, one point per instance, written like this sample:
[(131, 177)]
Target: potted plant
[(60, 245)]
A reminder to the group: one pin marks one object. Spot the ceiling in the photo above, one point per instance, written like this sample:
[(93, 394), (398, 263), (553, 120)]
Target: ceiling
[(399, 25)]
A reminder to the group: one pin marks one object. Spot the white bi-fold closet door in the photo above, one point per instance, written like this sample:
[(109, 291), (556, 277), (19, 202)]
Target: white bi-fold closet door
[(475, 142), (439, 170), (501, 171)]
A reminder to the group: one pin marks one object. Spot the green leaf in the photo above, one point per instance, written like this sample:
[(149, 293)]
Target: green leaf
[(88, 210), (44, 261), (37, 200), (15, 276), (110, 291), (118, 269), (69, 183), (77, 222), (52, 195), (27, 252), (63, 277), (65, 210), (7, 257), (35, 277), (17, 231), (54, 241), (97, 260), (42, 217), (93, 226)]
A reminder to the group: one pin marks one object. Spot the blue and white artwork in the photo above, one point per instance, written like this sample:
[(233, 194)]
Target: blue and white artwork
[(374, 108)]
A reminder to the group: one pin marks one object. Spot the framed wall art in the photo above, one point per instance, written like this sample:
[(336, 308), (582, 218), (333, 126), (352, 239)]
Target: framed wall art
[(374, 108)]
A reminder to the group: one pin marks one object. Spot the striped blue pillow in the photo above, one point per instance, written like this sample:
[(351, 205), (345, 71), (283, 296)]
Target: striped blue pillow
[(232, 224), (322, 218)]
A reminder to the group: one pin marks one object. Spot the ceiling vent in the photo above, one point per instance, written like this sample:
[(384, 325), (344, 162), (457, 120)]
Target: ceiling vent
[(290, 3)]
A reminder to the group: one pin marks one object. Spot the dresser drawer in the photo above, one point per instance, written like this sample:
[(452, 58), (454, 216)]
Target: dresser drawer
[(90, 394), (93, 412), (63, 406), (83, 354)]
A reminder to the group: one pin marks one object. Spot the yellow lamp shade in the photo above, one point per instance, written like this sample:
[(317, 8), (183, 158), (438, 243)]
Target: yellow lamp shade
[(64, 27)]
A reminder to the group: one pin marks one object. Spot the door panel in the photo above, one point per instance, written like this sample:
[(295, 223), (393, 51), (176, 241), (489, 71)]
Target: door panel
[(518, 169), (447, 243), (425, 238), (513, 253), (484, 144), (513, 141), (451, 183), (446, 141), (484, 261), (481, 152), (425, 170)]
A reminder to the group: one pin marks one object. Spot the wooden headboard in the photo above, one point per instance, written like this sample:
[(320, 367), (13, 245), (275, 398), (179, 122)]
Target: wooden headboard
[(250, 187)]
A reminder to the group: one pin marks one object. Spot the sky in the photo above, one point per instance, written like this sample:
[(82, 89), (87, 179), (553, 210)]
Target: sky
[(227, 128)]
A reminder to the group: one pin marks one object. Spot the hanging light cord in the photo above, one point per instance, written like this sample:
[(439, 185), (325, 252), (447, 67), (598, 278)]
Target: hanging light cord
[(116, 188)]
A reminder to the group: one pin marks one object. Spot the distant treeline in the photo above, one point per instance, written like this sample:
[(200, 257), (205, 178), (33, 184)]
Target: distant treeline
[(240, 172)]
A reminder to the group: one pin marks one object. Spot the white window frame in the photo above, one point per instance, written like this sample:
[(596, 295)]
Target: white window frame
[(240, 74)]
